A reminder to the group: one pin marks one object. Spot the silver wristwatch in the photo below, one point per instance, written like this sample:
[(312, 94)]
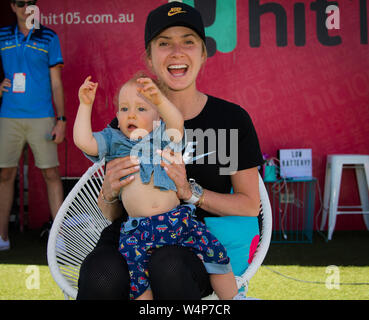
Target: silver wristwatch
[(197, 192)]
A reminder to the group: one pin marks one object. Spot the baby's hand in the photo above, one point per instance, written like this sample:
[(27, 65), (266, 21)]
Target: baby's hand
[(150, 91), (87, 92)]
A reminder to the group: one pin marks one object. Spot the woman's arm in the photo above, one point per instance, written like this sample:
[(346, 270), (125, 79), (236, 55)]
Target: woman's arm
[(111, 210), (245, 201)]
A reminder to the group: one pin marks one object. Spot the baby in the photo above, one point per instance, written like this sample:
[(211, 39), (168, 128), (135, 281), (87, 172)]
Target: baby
[(148, 121)]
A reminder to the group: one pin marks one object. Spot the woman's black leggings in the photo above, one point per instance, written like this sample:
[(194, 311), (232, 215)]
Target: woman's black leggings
[(176, 273)]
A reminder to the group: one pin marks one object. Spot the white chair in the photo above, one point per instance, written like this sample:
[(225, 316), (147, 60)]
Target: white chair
[(333, 174), (265, 220), (76, 230), (79, 222)]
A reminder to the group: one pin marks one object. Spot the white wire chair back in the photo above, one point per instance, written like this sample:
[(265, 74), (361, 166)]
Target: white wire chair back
[(76, 230), (265, 222), (79, 223)]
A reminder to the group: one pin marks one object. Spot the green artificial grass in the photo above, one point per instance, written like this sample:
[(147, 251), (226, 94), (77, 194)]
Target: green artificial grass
[(290, 271), (304, 271), (309, 283), (27, 282), (24, 273)]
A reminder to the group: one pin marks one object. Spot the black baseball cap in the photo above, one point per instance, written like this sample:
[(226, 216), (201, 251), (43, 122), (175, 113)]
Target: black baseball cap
[(173, 14)]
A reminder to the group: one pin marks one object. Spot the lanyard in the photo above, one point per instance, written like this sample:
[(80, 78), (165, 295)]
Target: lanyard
[(27, 40)]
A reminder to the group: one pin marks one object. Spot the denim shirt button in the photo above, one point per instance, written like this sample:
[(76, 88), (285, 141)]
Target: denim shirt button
[(134, 223)]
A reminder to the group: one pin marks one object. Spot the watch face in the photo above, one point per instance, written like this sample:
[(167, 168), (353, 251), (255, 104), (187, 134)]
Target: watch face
[(197, 190)]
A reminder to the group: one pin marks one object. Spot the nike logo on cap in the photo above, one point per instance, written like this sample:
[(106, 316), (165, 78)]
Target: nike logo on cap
[(175, 10)]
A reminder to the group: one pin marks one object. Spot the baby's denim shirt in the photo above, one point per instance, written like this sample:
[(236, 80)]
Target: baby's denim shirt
[(112, 143)]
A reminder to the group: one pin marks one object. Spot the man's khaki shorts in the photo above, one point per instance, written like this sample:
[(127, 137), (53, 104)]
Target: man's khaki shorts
[(15, 133)]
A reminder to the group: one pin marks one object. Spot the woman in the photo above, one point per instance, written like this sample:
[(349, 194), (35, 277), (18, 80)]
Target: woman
[(175, 49)]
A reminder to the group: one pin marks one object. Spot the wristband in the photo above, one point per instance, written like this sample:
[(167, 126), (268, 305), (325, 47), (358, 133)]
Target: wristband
[(107, 201)]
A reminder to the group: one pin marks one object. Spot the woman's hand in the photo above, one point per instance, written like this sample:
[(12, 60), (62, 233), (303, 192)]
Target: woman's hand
[(176, 170), (115, 170)]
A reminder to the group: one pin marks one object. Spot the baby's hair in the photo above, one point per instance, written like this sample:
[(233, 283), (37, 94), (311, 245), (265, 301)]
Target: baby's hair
[(138, 75)]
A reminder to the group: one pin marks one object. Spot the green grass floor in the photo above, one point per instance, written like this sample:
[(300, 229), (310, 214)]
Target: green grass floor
[(290, 271)]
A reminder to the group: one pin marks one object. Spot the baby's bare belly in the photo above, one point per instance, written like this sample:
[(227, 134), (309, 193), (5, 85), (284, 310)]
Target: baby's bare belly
[(144, 200)]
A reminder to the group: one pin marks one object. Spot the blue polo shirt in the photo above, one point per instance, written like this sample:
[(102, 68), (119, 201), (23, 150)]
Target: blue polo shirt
[(34, 58)]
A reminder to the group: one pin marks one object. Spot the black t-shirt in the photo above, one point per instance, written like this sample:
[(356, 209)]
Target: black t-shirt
[(225, 132)]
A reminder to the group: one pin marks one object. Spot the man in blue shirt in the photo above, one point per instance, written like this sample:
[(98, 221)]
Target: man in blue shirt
[(32, 61)]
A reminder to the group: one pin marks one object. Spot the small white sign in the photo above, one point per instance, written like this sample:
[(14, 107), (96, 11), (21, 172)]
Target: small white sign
[(295, 163)]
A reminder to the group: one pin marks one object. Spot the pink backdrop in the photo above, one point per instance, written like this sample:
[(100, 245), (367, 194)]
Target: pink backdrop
[(299, 96)]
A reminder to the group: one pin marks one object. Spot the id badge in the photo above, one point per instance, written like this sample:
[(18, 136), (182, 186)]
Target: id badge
[(19, 83)]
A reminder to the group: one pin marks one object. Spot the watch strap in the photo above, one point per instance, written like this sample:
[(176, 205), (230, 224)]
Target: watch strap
[(192, 200), (62, 118)]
